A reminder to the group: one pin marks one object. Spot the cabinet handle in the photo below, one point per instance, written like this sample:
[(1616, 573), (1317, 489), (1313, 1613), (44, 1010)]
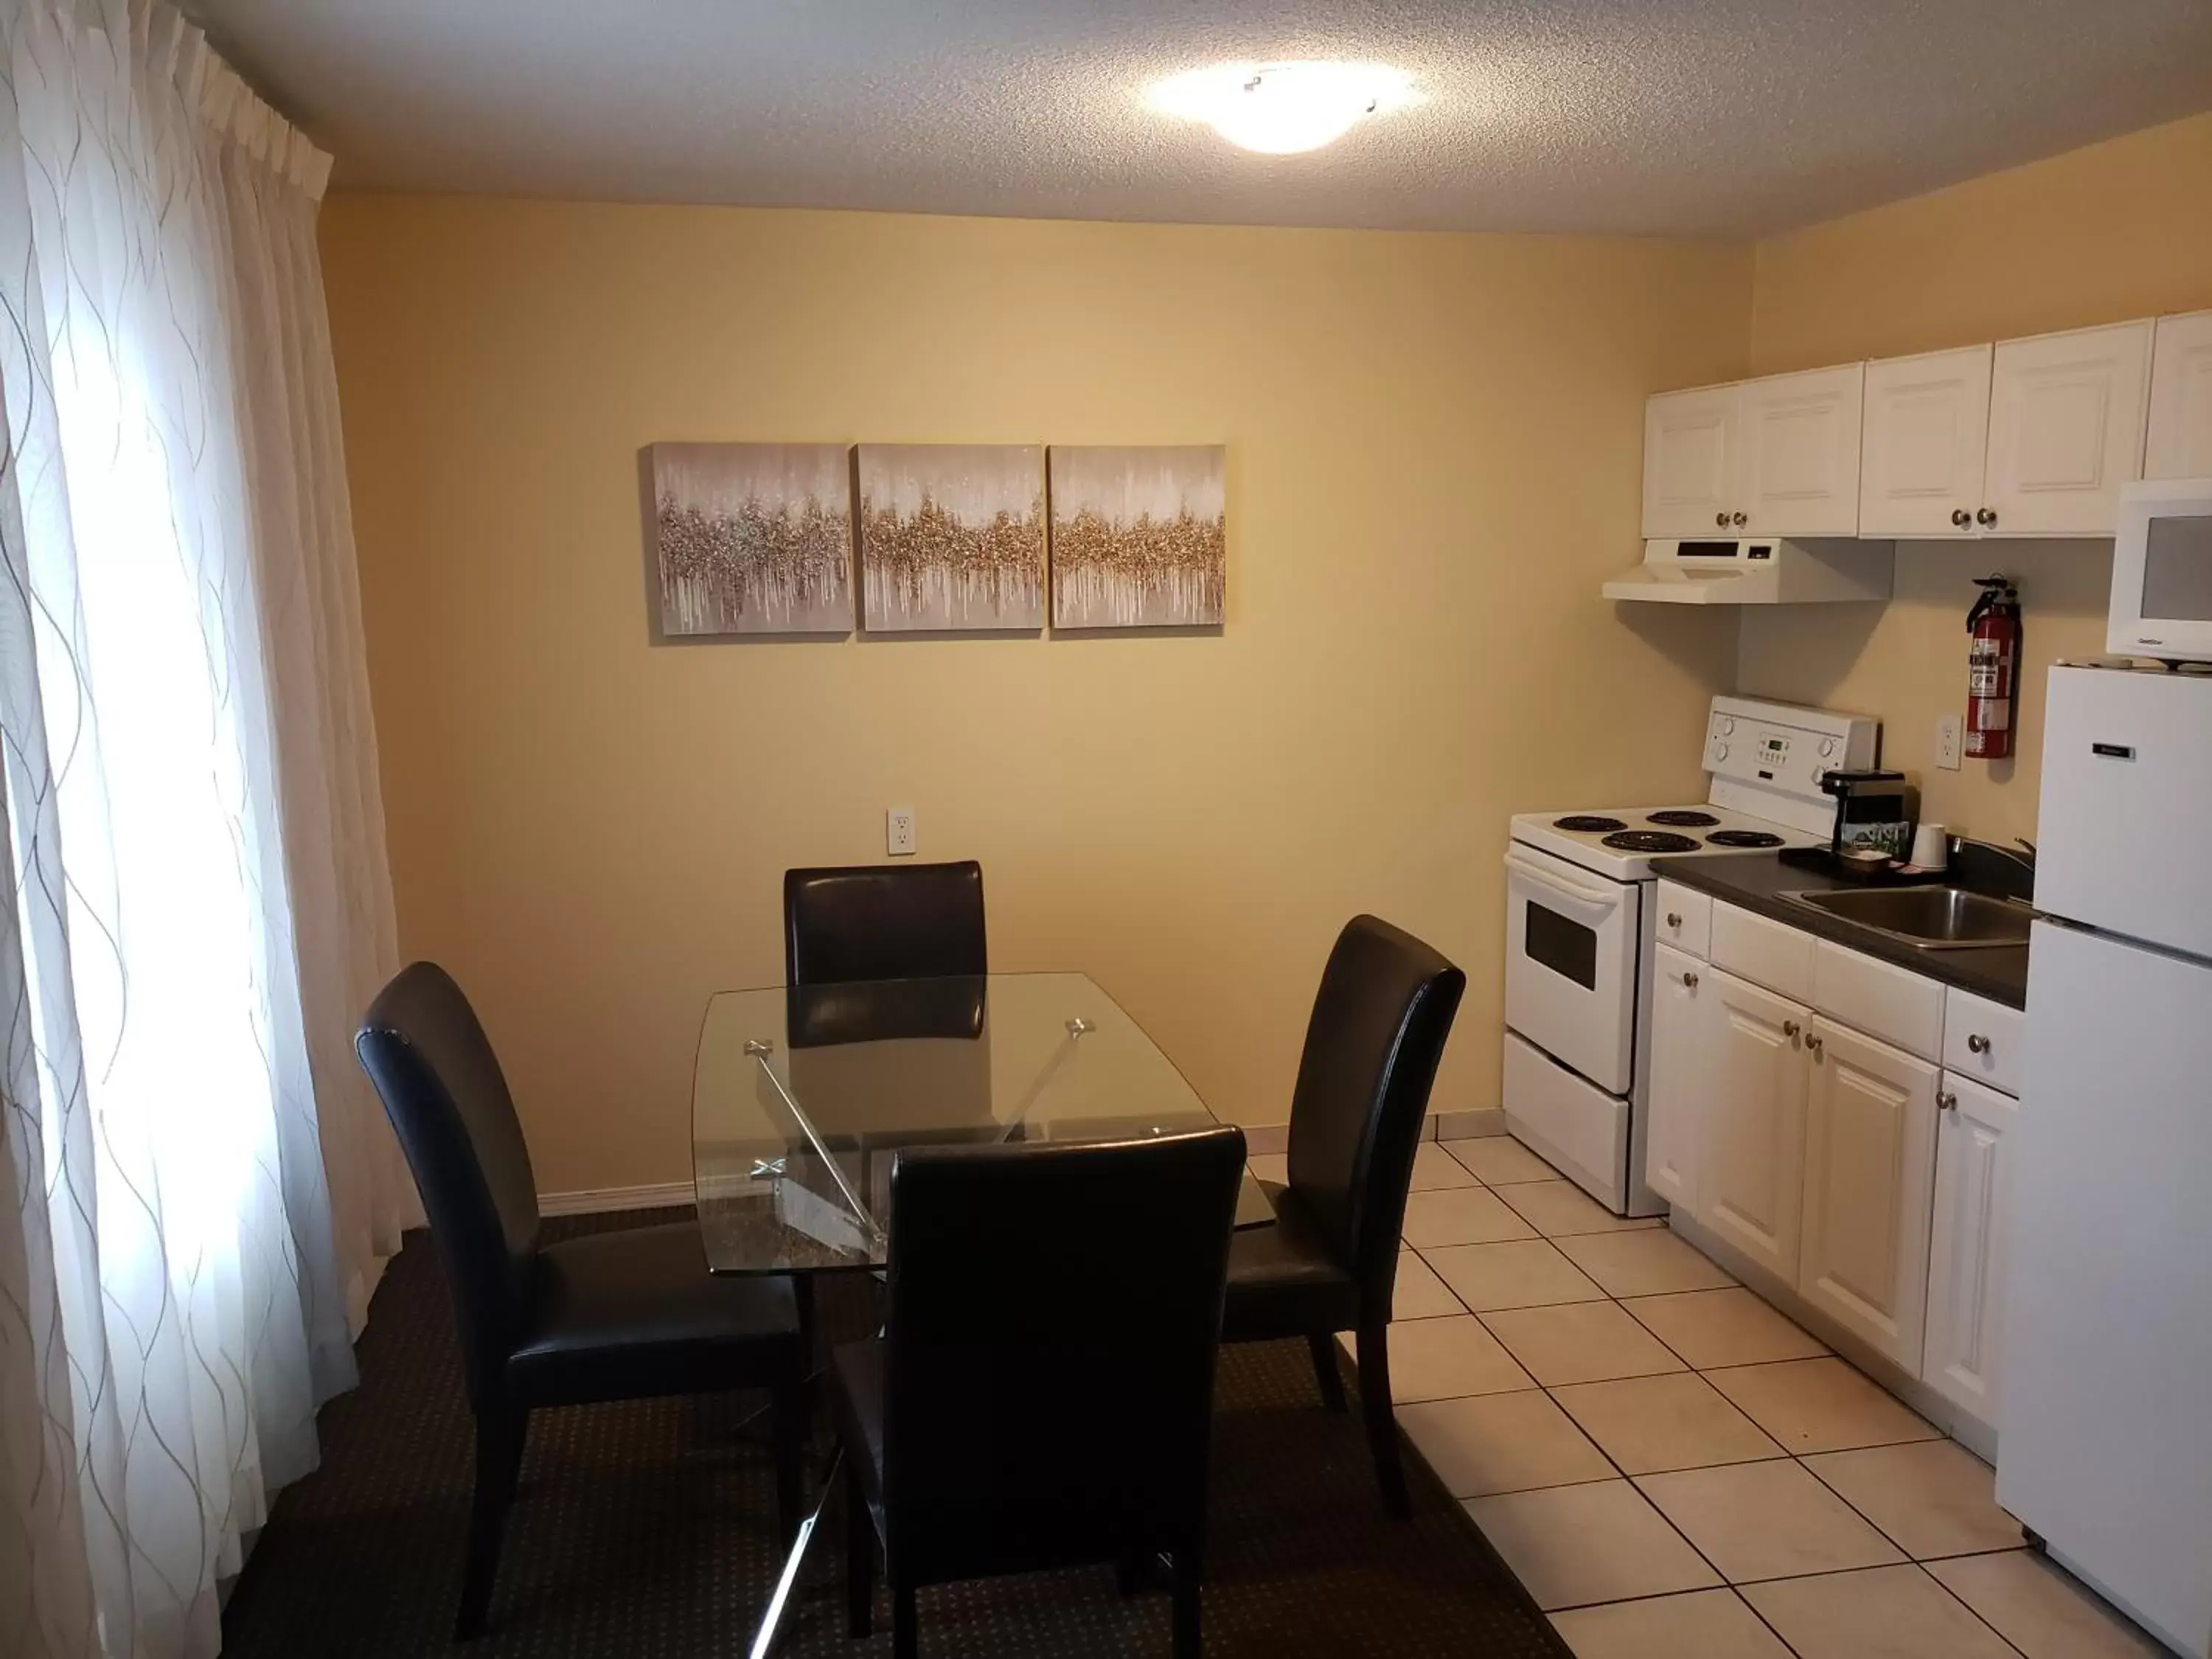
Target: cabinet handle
[(1977, 1043), (1960, 517), (1721, 520), (1674, 920), (1947, 1101), (1689, 981), (1986, 516), (1738, 520), (1816, 1045), (1790, 1030)]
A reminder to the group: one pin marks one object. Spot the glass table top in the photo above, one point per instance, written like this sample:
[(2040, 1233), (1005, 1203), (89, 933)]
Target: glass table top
[(801, 1097)]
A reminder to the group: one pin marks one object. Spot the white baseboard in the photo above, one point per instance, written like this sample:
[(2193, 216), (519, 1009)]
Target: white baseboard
[(593, 1201)]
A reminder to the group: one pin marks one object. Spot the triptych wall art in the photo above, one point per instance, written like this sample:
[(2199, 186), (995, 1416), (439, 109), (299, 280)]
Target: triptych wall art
[(760, 539)]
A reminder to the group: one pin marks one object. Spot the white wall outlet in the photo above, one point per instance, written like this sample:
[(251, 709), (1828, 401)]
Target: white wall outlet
[(898, 831), (1950, 741)]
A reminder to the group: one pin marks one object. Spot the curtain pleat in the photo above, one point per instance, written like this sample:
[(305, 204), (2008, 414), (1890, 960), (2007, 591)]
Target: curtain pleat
[(199, 1187)]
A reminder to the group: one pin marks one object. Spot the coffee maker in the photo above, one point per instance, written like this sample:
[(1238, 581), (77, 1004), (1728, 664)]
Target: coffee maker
[(1874, 810)]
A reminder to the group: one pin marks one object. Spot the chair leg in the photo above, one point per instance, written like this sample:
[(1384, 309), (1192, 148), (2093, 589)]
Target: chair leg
[(860, 1558), (500, 1436), (1381, 1421), (1323, 1345), (906, 1634), (1186, 1607), (791, 1419)]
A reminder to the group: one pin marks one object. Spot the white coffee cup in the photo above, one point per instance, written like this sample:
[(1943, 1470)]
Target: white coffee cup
[(1931, 846)]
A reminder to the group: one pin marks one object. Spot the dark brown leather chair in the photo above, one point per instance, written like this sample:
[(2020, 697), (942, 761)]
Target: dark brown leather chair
[(1042, 1395), (1328, 1263), (613, 1315), (884, 922)]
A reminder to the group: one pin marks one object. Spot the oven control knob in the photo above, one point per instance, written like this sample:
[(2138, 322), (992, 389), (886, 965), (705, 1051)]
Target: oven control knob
[(1827, 748), (1720, 751), (1820, 772), (1725, 726)]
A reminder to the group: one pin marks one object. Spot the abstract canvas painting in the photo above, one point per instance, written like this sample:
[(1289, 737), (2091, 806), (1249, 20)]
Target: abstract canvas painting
[(754, 538), (951, 537), (1140, 536)]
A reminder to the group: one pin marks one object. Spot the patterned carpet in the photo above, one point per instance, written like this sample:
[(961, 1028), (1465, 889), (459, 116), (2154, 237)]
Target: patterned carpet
[(645, 1532)]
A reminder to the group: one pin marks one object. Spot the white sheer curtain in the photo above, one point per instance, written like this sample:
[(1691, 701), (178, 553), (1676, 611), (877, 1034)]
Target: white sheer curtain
[(199, 1186)]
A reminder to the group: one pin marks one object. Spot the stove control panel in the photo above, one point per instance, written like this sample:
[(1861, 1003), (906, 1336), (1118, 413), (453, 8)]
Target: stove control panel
[(1768, 758)]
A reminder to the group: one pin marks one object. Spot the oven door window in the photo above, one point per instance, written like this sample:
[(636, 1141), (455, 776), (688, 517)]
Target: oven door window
[(1566, 946)]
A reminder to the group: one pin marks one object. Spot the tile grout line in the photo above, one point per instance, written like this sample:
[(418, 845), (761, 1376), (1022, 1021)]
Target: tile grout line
[(1549, 1392)]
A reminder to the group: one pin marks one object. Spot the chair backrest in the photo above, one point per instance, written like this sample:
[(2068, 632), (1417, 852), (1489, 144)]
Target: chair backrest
[(1379, 1023), (1054, 1316), (882, 922), (423, 1049)]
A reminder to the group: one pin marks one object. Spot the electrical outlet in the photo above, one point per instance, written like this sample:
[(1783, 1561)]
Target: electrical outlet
[(1950, 741), (898, 831)]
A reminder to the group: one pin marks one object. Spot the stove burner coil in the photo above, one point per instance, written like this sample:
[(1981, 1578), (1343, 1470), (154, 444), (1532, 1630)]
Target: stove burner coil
[(1651, 841), (1683, 818), (1588, 821), (1743, 838)]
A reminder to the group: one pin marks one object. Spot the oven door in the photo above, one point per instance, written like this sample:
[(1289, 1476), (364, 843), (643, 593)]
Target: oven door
[(1571, 941)]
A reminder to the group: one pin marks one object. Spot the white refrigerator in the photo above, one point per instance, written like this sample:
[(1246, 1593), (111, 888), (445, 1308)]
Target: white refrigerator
[(2104, 1426)]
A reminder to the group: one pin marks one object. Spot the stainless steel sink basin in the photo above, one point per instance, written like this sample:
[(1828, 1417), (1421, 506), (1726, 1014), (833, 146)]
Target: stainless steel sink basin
[(1930, 918)]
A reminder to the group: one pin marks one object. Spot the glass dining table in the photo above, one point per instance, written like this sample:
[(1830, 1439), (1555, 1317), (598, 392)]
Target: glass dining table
[(803, 1096)]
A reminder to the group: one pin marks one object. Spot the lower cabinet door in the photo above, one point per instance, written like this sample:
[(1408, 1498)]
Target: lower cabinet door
[(1751, 1161), (1967, 1256), (1869, 1164), (1678, 1078)]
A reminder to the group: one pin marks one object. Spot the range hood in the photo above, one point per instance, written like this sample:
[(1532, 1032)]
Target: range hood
[(1762, 570)]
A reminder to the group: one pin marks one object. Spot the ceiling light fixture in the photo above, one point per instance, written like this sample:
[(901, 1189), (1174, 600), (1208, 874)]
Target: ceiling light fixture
[(1281, 109)]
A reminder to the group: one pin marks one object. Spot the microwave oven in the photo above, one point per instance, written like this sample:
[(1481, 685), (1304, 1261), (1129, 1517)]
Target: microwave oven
[(2162, 572)]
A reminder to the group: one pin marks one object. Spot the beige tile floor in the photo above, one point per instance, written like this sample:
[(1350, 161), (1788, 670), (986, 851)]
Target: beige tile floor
[(1673, 1467)]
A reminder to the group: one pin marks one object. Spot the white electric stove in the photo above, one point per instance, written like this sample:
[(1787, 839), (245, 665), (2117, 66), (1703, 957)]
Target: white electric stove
[(1581, 926)]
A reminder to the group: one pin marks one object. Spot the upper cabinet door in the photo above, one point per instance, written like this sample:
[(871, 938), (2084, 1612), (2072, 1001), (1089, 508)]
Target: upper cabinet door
[(2066, 430), (2180, 441), (1927, 439), (1797, 471), (1689, 457)]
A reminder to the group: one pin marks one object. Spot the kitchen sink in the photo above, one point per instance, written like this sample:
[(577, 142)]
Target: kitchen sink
[(1930, 918)]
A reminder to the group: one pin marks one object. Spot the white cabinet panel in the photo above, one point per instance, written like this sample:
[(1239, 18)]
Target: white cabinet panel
[(1984, 1041), (1798, 453), (1685, 918), (1678, 1091), (1690, 462), (1925, 441), (1880, 999), (1966, 1254), (1869, 1160), (1769, 953), (2066, 429), (1751, 1169), (2179, 443)]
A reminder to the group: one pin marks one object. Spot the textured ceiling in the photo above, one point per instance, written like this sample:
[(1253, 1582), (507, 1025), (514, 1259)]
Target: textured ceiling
[(1702, 117)]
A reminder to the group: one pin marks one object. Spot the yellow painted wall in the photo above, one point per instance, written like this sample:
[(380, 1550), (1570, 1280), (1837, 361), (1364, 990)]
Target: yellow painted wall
[(2118, 230), (1433, 450)]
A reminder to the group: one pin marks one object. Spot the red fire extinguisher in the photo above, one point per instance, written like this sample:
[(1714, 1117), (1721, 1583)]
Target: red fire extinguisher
[(1993, 631)]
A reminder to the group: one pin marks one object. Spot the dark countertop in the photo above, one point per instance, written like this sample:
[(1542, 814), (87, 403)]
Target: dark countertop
[(1756, 881)]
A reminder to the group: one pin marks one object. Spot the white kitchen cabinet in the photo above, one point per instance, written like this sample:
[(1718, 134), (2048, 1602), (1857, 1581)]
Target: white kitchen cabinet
[(1678, 1088), (1966, 1251), (1751, 1166), (2066, 430), (1690, 462), (1924, 443), (1797, 453), (1869, 1163), (2178, 444)]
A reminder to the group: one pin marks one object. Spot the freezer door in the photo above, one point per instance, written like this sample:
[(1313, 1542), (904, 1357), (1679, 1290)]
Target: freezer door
[(2127, 794), (2105, 1443)]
